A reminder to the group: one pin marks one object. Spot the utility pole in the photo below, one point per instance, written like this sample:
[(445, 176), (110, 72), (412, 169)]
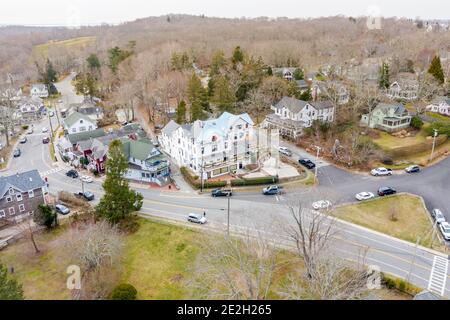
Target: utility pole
[(51, 127), (82, 186), (228, 218), (317, 158), (434, 144)]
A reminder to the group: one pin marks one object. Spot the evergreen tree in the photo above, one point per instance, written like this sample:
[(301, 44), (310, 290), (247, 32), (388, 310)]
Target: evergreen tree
[(384, 81), (198, 98), (117, 55), (51, 74), (181, 112), (217, 62), (45, 216), (238, 56), (436, 70), (306, 95), (269, 71), (223, 97), (211, 86), (119, 201), (299, 74), (9, 289), (93, 62)]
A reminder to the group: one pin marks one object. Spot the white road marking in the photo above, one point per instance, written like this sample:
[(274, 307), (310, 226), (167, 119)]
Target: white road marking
[(50, 172), (438, 276)]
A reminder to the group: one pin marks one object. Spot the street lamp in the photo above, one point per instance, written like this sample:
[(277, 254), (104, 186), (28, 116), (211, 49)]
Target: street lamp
[(228, 218), (434, 144)]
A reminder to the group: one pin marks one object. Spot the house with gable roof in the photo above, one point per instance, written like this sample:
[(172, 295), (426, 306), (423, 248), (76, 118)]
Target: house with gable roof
[(291, 115), (387, 117), (77, 122), (213, 147), (20, 195), (440, 105)]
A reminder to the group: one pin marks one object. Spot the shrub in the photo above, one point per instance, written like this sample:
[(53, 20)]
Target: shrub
[(25, 127), (400, 285), (129, 225), (441, 127), (197, 184), (387, 161), (254, 181), (124, 291), (416, 122)]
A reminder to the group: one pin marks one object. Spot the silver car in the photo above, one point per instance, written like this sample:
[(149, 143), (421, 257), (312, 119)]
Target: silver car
[(438, 216)]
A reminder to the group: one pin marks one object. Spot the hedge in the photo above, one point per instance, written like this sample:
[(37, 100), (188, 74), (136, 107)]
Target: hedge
[(197, 184), (415, 149), (254, 181), (399, 284)]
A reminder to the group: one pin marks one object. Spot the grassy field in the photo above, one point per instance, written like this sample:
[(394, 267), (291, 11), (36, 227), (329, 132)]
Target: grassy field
[(412, 218), (158, 260), (386, 141), (70, 44), (438, 116)]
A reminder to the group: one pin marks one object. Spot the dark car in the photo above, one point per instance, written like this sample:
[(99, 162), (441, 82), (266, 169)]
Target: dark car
[(46, 140), (89, 196), (23, 140), (221, 193), (386, 191), (413, 169), (17, 153), (72, 174), (307, 163)]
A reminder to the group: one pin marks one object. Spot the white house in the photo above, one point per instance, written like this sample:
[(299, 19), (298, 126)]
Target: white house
[(440, 105), (330, 89), (31, 108), (406, 87), (214, 147), (39, 90), (286, 73), (77, 122), (292, 115)]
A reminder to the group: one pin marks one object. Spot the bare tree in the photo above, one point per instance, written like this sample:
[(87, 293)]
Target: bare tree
[(236, 267), (7, 111)]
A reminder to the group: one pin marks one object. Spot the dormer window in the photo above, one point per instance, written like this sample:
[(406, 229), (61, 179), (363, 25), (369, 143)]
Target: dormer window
[(11, 191)]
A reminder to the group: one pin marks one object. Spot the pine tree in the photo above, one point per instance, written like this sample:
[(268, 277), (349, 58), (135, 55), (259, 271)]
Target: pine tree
[(198, 98), (436, 70), (217, 62), (269, 71), (384, 81), (9, 289), (223, 96), (119, 200), (181, 112), (93, 62), (299, 74), (238, 56)]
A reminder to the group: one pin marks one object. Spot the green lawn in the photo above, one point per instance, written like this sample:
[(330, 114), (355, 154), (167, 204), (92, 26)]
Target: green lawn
[(387, 141), (69, 44), (438, 116), (412, 218)]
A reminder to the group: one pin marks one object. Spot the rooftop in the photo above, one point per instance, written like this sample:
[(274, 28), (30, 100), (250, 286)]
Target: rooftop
[(23, 182)]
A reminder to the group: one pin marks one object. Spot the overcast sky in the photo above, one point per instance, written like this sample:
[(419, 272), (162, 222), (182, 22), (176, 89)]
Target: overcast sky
[(74, 12)]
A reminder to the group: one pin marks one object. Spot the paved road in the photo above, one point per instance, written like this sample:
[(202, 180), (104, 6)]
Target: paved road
[(271, 214)]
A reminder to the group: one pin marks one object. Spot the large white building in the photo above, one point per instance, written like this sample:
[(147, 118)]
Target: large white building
[(211, 148), (77, 122)]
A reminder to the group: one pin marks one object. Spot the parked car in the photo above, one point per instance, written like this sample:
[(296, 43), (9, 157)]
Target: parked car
[(196, 218), (445, 230), (72, 174), (307, 163), (62, 209), (17, 153), (51, 114), (46, 140), (87, 179), (322, 204), (44, 130), (30, 131), (364, 196), (413, 169), (271, 190), (23, 140), (221, 193), (381, 172), (386, 191), (438, 216), (87, 195), (1, 146), (285, 151)]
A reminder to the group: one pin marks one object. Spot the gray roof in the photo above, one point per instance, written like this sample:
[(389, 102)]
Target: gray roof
[(302, 84), (82, 136), (320, 105), (427, 295), (170, 127), (39, 86), (74, 117), (439, 100), (294, 105), (385, 107), (26, 181)]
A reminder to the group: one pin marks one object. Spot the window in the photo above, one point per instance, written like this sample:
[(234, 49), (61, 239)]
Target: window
[(21, 207), (214, 148), (239, 127), (19, 197), (226, 145), (11, 211), (2, 214), (82, 129), (8, 199), (31, 194), (11, 191), (74, 130)]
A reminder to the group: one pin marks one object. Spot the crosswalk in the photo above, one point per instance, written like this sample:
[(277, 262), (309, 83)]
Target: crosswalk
[(50, 172), (438, 277)]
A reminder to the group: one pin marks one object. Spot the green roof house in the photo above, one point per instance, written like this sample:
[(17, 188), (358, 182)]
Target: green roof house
[(387, 117)]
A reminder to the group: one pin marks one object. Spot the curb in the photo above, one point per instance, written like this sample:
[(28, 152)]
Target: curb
[(432, 251)]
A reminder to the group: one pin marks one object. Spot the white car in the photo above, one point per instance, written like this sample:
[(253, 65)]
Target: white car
[(30, 131), (445, 230), (438, 216), (44, 130), (321, 204), (196, 218), (87, 179), (285, 151), (364, 196), (381, 172)]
